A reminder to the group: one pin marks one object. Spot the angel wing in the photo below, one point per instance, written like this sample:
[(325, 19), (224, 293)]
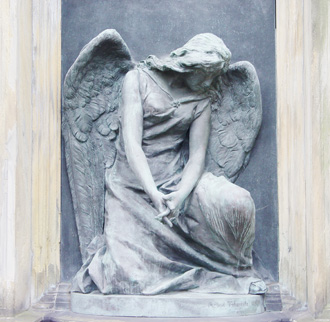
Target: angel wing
[(236, 120), (91, 95)]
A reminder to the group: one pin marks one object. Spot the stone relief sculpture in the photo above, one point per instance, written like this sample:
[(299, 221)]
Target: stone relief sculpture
[(152, 152)]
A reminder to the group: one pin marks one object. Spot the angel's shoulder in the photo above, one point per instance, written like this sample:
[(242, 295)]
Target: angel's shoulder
[(135, 75), (132, 75), (131, 80)]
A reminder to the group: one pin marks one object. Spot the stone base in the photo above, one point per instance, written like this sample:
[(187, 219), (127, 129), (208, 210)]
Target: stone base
[(181, 304)]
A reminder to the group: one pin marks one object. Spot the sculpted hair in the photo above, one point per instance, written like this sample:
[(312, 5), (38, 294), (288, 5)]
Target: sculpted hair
[(204, 51)]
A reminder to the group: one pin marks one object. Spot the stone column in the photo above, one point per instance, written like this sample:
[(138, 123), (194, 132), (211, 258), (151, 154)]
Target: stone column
[(29, 150), (303, 128)]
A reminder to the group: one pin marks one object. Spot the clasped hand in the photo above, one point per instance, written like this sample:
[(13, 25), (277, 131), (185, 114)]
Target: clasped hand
[(168, 206)]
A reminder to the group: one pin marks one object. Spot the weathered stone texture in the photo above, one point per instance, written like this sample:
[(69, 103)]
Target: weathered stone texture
[(29, 150), (303, 131), (26, 198)]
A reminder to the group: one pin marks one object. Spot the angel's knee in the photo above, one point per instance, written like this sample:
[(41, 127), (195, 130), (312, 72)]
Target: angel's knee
[(221, 200)]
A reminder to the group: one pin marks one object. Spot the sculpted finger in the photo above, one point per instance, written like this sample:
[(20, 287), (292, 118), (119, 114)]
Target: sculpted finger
[(168, 197), (171, 204), (162, 208), (163, 214), (168, 222)]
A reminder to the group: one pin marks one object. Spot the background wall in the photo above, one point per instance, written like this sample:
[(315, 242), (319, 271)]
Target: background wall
[(303, 87), (158, 27), (30, 154), (29, 150)]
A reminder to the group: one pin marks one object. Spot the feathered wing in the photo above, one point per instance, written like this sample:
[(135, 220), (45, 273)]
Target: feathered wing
[(236, 120), (91, 96)]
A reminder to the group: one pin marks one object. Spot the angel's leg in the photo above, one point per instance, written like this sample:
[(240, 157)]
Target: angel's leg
[(220, 217)]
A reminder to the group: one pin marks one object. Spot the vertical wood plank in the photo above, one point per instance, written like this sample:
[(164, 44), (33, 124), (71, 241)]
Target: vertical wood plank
[(303, 148), (46, 149)]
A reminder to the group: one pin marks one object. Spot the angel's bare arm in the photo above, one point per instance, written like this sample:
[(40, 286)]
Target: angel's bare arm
[(132, 128), (198, 140)]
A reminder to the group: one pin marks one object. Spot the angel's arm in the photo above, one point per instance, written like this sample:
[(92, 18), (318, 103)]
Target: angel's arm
[(132, 128), (198, 141)]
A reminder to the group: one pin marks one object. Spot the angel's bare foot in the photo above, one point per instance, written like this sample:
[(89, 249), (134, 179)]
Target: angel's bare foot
[(258, 287)]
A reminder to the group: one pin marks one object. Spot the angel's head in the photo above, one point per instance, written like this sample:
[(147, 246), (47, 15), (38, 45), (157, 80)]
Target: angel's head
[(200, 60)]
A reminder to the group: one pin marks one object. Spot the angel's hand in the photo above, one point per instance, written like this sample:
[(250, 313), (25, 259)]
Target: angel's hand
[(163, 211), (174, 202), (163, 216), (158, 201)]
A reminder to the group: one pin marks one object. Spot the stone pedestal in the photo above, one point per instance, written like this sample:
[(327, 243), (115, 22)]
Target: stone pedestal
[(183, 304)]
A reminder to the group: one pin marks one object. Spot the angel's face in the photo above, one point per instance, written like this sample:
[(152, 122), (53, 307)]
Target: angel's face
[(199, 80)]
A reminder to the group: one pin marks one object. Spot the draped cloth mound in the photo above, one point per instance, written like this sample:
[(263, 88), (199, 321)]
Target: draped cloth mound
[(209, 248)]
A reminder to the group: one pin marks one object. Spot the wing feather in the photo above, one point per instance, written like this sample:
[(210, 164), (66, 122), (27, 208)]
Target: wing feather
[(91, 94), (236, 120)]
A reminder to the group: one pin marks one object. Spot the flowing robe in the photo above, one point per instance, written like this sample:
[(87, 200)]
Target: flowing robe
[(209, 248)]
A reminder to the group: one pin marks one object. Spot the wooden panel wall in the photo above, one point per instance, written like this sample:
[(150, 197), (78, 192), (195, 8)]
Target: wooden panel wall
[(46, 159), (303, 131), (30, 34)]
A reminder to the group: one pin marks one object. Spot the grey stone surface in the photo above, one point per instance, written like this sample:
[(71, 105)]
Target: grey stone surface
[(50, 312), (174, 305), (68, 316), (162, 26), (273, 300), (129, 165)]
